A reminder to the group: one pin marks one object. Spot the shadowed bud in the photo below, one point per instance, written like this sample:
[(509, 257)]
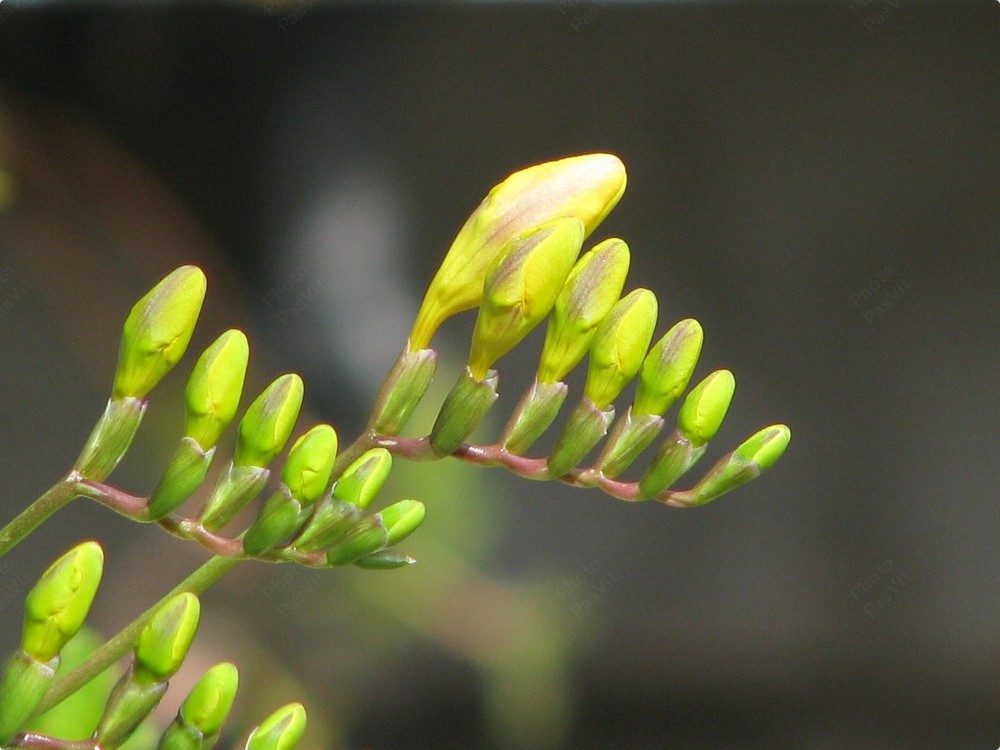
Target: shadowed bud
[(631, 435), (268, 422), (57, 606), (24, 684), (520, 289), (754, 456), (164, 642), (214, 388), (402, 390), (309, 464), (590, 292), (401, 519), (279, 731), (705, 407), (111, 437), (585, 187), (183, 475), (366, 538), (207, 705), (330, 520), (587, 424), (363, 479), (462, 411), (277, 520), (672, 460), (668, 368), (534, 413), (157, 331), (235, 487), (619, 346), (387, 559), (130, 702)]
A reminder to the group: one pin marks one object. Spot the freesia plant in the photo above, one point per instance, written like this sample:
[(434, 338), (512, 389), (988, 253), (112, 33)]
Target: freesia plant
[(518, 260)]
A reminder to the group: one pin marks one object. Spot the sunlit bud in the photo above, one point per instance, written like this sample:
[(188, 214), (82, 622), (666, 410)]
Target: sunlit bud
[(330, 520), (386, 559), (619, 346), (631, 435), (590, 292), (111, 437), (520, 289), (276, 522), (309, 465), (164, 642), (183, 475), (402, 390), (462, 411), (401, 519), (279, 731), (672, 460), (268, 422), (157, 331), (235, 487), (668, 367), (536, 411), (207, 705), (367, 537), (755, 455), (363, 479), (24, 684), (57, 606), (587, 424), (214, 388), (585, 187), (705, 407)]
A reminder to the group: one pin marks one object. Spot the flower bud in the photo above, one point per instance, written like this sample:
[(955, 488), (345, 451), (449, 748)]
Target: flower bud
[(591, 291), (214, 388), (268, 422), (671, 462), (668, 367), (279, 731), (309, 464), (210, 700), (277, 520), (520, 289), (401, 519), (754, 456), (164, 642), (367, 537), (463, 409), (386, 559), (363, 479), (586, 187), (130, 702), (157, 331), (330, 520), (705, 407), (619, 346), (57, 606)]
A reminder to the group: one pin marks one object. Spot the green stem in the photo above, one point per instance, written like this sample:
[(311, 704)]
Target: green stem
[(58, 495), (199, 581)]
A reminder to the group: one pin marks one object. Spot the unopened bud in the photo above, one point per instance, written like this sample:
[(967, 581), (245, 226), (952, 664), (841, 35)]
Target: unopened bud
[(705, 407), (214, 388), (668, 367), (268, 422), (620, 346)]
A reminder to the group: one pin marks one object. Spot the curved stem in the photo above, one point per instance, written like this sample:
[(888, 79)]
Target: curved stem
[(199, 581), (57, 496)]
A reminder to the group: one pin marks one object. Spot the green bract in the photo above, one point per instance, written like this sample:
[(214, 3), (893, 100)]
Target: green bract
[(619, 346), (585, 187), (268, 422), (164, 642), (157, 331), (705, 407), (214, 388)]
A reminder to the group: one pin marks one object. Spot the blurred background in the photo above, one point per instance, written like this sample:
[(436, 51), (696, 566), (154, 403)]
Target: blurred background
[(817, 183)]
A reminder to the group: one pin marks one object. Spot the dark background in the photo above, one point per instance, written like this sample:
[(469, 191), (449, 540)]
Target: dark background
[(817, 183)]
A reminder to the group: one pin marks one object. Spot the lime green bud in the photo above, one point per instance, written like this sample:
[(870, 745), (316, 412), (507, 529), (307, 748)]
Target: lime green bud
[(403, 389), (158, 330), (214, 389), (537, 410), (183, 475), (367, 537), (58, 604), (309, 464), (210, 700), (705, 407), (268, 422), (619, 346), (668, 368), (463, 409), (590, 292), (24, 684), (401, 519), (386, 559), (671, 462), (330, 520), (585, 187), (235, 487), (587, 424), (279, 731), (278, 520), (520, 289), (164, 642), (111, 437), (755, 455), (631, 435), (363, 479)]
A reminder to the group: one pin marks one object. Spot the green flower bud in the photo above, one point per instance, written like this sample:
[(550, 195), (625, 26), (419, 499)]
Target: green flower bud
[(363, 479), (58, 604), (309, 464), (279, 731), (387, 559), (278, 519), (130, 703), (157, 331), (208, 704), (590, 292), (164, 642), (214, 388), (755, 455), (401, 519), (268, 422), (671, 462), (537, 410), (585, 187), (367, 537), (235, 487), (587, 424), (330, 520), (183, 475), (619, 346), (404, 386), (463, 409), (705, 407), (111, 438), (631, 436), (520, 289), (668, 368), (24, 684), (181, 736)]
